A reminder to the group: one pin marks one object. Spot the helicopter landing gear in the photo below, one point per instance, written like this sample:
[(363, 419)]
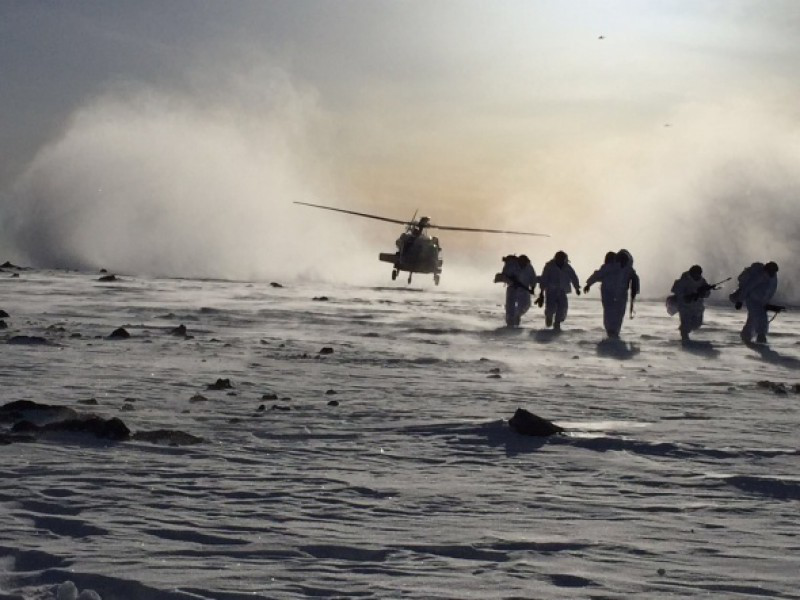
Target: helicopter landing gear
[(394, 274), (436, 279)]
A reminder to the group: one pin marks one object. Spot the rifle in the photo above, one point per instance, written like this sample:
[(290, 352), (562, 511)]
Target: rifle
[(704, 288), (775, 307), (513, 281), (715, 286)]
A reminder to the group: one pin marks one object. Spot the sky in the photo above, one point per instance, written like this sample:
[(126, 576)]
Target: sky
[(172, 138)]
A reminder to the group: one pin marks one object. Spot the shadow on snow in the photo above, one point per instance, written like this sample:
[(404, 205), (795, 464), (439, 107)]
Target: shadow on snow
[(611, 348), (771, 356), (545, 336), (703, 348)]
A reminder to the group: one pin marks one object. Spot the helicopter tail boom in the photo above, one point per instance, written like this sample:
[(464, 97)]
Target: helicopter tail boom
[(475, 230)]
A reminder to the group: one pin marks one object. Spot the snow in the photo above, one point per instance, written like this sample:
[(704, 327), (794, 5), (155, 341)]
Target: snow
[(678, 476)]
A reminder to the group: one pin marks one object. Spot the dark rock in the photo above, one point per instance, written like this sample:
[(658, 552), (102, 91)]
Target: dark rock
[(326, 350), (15, 275), (494, 370), (269, 397), (167, 436), (25, 426), (128, 408), (108, 278), (88, 402), (775, 387), (494, 376), (333, 403), (18, 405), (180, 331), (28, 340), (35, 412), (10, 438), (280, 407), (75, 335), (275, 284), (3, 324), (320, 298), (8, 265), (198, 398), (119, 334), (331, 393), (220, 384), (4, 314), (103, 271), (261, 408), (108, 429), (527, 423)]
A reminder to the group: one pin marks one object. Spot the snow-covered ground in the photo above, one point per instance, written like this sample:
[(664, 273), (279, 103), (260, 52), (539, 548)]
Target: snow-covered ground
[(678, 477)]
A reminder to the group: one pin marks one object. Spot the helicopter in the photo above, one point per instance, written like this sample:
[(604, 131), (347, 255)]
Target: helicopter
[(417, 252)]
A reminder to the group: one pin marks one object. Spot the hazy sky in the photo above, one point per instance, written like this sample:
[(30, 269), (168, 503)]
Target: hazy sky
[(581, 119)]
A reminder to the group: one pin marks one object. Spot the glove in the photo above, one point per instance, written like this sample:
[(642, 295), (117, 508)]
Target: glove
[(738, 306), (586, 289), (577, 291), (540, 301)]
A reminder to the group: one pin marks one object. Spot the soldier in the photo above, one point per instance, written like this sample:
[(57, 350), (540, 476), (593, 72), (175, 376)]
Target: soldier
[(756, 289), (626, 280), (557, 279), (520, 278), (690, 290), (608, 275)]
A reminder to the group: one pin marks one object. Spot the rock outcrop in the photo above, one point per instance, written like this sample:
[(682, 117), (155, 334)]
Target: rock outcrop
[(527, 423)]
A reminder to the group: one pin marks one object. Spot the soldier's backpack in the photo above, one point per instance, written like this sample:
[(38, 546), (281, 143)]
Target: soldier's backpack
[(745, 276)]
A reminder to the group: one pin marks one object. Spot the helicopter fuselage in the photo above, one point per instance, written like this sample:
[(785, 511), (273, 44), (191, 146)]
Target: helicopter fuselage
[(416, 253)]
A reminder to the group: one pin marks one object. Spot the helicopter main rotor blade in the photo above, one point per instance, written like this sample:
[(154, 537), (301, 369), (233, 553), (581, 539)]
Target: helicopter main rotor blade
[(352, 212), (474, 230)]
